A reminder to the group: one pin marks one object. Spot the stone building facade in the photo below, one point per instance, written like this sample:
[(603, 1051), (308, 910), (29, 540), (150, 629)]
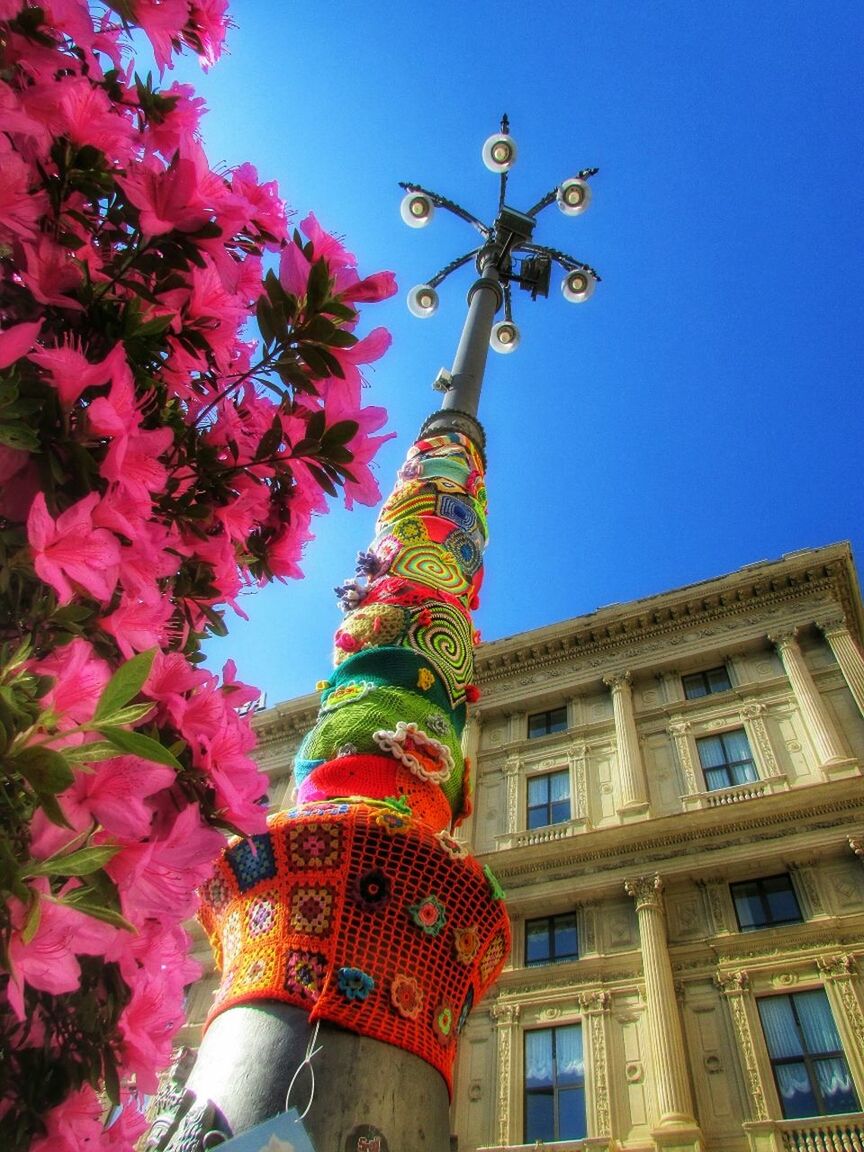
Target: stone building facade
[(670, 793)]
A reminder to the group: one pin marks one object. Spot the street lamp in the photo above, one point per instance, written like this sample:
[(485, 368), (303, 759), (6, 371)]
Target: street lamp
[(507, 255)]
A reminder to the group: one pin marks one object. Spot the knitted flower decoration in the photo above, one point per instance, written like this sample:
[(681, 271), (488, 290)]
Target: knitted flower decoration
[(354, 984), (429, 915), (406, 995)]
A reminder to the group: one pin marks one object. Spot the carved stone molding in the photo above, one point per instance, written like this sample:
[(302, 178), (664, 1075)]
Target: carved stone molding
[(856, 843), (840, 966), (829, 625), (646, 891), (678, 730), (753, 713), (731, 983), (505, 1015), (713, 891), (618, 680), (806, 880), (595, 1001)]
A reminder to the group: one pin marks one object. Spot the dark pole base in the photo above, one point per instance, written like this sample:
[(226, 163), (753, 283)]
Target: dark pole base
[(250, 1053)]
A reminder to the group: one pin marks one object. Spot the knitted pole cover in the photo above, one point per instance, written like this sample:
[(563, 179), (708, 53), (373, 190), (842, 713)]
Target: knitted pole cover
[(358, 905)]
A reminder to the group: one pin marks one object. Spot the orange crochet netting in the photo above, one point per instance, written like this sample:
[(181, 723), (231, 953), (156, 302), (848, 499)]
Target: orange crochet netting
[(365, 917)]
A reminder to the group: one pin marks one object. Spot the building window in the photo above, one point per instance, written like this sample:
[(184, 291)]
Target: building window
[(765, 902), (550, 940), (807, 1058), (545, 723), (698, 684), (726, 759), (548, 799), (554, 1084)]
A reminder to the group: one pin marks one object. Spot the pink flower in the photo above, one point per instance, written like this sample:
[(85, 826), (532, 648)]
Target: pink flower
[(70, 551), (161, 22), (379, 286), (20, 208), (79, 677), (74, 1125), (113, 793), (169, 197), (147, 1026), (326, 246), (15, 342), (138, 625), (48, 961), (294, 270), (179, 126), (69, 370), (157, 879), (51, 275)]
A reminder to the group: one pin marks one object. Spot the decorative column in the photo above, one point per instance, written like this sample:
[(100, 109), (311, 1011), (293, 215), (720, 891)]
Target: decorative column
[(819, 726), (577, 755), (678, 730), (506, 1017), (595, 1009), (512, 772), (847, 654), (664, 1024), (839, 973), (735, 986), (634, 804)]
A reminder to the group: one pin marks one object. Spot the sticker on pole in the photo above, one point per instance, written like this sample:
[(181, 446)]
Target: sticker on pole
[(282, 1133)]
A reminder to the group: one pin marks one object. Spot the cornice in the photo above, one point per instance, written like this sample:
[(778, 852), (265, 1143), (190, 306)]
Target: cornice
[(677, 846), (757, 587)]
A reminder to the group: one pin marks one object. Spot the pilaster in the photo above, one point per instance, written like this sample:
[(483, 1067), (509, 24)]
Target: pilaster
[(839, 973), (595, 1009), (506, 1017), (735, 986), (512, 775)]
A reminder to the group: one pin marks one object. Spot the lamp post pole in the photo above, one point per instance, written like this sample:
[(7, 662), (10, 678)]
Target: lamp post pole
[(357, 934)]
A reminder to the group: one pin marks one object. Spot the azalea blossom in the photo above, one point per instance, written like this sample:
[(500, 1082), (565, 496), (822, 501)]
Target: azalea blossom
[(70, 551)]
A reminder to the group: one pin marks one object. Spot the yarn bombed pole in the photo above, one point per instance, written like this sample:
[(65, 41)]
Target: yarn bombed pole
[(357, 933)]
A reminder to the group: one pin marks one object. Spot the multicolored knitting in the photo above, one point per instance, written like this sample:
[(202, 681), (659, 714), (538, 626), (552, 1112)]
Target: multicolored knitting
[(359, 905)]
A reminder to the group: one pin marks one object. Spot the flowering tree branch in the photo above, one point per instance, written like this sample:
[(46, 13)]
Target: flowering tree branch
[(154, 460)]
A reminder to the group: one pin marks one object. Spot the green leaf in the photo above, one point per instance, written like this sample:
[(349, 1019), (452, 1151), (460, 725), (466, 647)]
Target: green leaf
[(84, 754), (45, 770), (125, 684), (340, 433), (137, 744), (34, 915), (131, 714), (80, 863), (86, 903)]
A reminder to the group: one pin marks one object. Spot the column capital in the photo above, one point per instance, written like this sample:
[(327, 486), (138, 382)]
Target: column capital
[(856, 843), (732, 983), (617, 681), (505, 1014), (784, 637), (828, 624), (839, 966), (678, 727), (512, 765), (645, 890), (596, 1001)]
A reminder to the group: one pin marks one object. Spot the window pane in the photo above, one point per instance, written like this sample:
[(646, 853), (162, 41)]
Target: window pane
[(538, 817), (560, 812), (538, 790), (782, 905), (711, 754), (748, 906), (743, 774), (558, 720), (536, 941), (537, 725), (538, 1058), (559, 786), (736, 745), (718, 680), (716, 778), (817, 1023), (778, 1024), (571, 1114), (835, 1086), (694, 686), (796, 1094), (565, 936), (539, 1117), (569, 1061)]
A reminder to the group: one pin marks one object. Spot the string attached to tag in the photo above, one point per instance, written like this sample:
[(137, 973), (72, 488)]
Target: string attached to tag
[(306, 1062)]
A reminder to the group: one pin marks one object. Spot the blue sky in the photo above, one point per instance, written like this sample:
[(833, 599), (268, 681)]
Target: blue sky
[(702, 411)]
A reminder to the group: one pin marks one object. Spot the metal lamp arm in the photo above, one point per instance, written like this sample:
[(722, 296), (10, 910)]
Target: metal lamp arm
[(549, 198), (451, 206), (439, 277), (568, 263)]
